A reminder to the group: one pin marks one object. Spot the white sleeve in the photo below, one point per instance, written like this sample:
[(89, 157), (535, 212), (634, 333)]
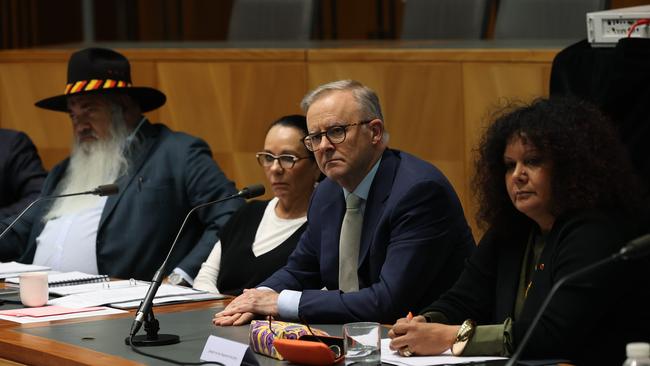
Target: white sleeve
[(289, 304), (206, 280)]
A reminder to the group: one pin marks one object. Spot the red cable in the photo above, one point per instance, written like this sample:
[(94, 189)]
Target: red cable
[(636, 24)]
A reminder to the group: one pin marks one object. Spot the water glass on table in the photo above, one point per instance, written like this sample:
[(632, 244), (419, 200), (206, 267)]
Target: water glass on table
[(362, 343)]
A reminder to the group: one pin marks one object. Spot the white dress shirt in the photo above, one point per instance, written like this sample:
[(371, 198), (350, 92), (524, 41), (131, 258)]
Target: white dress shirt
[(69, 243)]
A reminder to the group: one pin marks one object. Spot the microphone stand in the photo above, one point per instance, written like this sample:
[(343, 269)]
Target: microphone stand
[(145, 310)]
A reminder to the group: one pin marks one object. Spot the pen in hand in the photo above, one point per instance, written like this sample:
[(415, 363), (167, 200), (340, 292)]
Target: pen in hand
[(405, 351)]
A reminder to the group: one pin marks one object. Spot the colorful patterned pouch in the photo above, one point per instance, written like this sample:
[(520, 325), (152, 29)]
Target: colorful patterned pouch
[(261, 336)]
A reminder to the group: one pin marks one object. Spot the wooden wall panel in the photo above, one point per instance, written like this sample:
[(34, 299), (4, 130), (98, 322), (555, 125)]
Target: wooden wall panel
[(230, 105), (490, 85), (422, 107), (22, 84)]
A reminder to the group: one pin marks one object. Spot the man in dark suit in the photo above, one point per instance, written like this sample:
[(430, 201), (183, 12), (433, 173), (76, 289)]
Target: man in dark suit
[(161, 175), (410, 244), (21, 172)]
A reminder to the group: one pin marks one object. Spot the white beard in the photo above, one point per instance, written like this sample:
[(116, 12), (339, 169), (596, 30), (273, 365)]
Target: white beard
[(91, 164)]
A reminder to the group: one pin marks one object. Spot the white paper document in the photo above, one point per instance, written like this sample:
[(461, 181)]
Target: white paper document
[(113, 295), (13, 269), (29, 319), (170, 299), (67, 278), (392, 357), (229, 353), (89, 287)]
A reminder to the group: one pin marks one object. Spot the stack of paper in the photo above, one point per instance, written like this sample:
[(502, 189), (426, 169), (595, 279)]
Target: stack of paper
[(120, 292), (391, 357), (13, 269), (67, 278), (50, 313)]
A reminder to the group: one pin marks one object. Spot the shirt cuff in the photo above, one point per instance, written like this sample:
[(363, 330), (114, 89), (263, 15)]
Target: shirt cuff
[(288, 304), (184, 275), (486, 341)]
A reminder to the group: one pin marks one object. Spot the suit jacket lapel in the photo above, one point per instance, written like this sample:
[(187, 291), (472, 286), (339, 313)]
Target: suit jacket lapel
[(138, 157), (380, 190)]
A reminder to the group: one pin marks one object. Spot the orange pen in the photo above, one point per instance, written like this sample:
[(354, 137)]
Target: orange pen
[(405, 351)]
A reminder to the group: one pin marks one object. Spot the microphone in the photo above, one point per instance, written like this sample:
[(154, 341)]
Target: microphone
[(634, 249), (106, 190), (637, 248), (103, 190), (145, 306), (253, 191)]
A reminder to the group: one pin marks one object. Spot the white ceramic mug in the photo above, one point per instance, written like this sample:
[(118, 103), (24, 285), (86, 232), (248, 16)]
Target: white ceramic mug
[(34, 289)]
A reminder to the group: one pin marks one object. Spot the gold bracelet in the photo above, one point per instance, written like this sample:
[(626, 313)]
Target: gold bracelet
[(463, 336)]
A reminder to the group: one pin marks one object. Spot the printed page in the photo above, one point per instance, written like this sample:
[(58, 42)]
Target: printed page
[(393, 358), (113, 295)]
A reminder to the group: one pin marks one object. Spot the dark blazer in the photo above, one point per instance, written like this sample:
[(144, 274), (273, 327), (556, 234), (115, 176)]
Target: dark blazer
[(239, 267), (589, 320), (170, 173), (413, 245), (21, 172)]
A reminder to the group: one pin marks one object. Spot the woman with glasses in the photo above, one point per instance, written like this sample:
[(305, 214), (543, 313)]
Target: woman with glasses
[(558, 194), (259, 237)]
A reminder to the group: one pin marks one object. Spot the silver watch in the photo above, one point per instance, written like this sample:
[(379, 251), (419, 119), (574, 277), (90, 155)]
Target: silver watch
[(176, 279)]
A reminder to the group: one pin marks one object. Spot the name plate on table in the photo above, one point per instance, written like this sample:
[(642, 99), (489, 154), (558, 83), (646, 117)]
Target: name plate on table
[(229, 353)]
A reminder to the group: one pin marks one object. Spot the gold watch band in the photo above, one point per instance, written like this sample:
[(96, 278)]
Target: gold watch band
[(463, 336)]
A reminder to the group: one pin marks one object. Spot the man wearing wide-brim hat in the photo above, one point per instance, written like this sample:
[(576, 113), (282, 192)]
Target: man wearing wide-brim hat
[(161, 175)]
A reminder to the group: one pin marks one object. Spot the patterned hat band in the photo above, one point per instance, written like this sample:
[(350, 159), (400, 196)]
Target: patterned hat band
[(94, 84), (98, 70)]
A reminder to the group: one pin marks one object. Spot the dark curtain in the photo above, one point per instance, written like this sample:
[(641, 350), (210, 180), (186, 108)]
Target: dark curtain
[(16, 23)]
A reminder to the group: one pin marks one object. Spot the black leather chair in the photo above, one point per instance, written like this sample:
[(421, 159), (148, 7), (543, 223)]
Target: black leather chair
[(271, 20), (544, 19), (445, 19)]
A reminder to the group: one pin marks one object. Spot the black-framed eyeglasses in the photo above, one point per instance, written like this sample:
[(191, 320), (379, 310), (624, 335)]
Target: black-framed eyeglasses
[(287, 161), (335, 135)]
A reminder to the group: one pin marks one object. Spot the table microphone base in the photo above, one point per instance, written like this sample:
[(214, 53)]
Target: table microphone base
[(160, 340)]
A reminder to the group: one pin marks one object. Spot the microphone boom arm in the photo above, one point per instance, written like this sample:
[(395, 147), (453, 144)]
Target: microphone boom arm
[(146, 304), (104, 190), (529, 332)]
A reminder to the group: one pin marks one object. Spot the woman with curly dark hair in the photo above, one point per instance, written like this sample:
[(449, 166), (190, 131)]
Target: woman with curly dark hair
[(556, 193)]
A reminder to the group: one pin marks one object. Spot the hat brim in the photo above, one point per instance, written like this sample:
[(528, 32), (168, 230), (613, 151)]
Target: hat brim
[(148, 98)]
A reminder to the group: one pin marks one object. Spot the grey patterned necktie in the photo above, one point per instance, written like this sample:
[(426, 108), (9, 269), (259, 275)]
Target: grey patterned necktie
[(349, 244)]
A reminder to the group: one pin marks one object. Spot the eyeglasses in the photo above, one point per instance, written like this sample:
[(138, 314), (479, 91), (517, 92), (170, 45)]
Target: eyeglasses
[(287, 161), (334, 348), (335, 135)]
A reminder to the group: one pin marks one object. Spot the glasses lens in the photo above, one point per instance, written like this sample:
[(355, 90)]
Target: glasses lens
[(336, 134), (264, 159), (287, 161), (315, 140)]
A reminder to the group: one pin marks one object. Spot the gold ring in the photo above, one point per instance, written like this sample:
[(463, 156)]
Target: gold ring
[(406, 352)]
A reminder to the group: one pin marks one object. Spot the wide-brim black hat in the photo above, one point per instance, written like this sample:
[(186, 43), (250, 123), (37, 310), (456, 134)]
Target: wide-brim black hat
[(100, 70)]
